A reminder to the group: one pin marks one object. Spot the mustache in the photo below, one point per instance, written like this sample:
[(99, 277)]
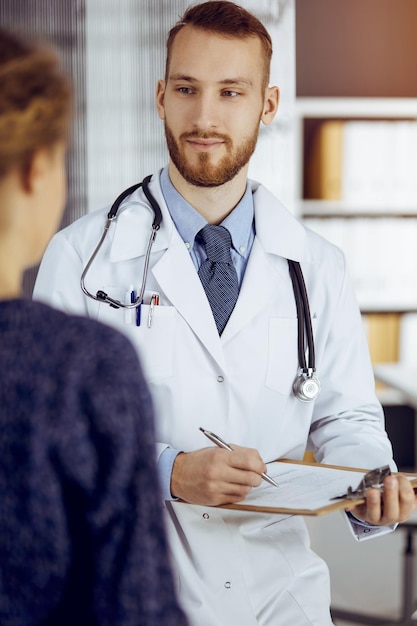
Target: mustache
[(199, 134)]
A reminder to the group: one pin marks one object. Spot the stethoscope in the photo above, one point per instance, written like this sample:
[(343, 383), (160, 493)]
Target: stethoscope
[(306, 386)]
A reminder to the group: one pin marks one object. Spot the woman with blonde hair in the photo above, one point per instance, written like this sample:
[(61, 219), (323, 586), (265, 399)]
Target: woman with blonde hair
[(81, 531)]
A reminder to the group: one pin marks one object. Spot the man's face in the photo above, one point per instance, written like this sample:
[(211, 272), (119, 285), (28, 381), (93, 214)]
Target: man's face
[(212, 103)]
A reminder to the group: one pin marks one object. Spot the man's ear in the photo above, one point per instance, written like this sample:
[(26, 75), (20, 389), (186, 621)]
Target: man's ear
[(160, 99), (271, 103)]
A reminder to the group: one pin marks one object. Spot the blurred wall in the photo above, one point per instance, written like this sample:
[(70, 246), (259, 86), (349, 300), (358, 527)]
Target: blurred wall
[(356, 48)]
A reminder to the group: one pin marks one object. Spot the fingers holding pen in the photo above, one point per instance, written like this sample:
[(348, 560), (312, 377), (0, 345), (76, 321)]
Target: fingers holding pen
[(223, 444), (214, 476), (250, 461)]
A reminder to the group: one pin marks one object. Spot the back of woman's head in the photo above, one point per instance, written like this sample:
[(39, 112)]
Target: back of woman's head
[(35, 100)]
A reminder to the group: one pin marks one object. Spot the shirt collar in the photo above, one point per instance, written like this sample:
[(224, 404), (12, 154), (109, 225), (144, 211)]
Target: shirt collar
[(189, 222)]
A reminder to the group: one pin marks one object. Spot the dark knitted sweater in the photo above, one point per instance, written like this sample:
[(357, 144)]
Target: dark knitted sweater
[(81, 525)]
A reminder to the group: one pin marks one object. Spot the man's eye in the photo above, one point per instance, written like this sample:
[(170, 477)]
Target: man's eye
[(230, 94), (185, 90)]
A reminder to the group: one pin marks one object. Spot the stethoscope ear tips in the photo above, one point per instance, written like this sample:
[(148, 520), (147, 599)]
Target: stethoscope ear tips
[(306, 387)]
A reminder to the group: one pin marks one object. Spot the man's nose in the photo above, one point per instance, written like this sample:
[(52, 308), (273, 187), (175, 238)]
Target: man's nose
[(206, 112)]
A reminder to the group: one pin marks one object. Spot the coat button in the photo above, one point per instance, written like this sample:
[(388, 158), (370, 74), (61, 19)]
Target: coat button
[(220, 379), (227, 584)]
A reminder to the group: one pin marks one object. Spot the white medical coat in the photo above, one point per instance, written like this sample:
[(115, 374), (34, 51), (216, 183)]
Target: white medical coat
[(232, 567)]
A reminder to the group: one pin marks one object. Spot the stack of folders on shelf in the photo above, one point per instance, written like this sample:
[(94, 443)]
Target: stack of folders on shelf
[(381, 256), (392, 338), (366, 162), (383, 331)]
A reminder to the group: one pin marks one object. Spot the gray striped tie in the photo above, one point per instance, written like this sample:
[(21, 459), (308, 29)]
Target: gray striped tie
[(218, 274)]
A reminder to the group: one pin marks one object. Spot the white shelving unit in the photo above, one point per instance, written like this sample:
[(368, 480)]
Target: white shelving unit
[(377, 109), (378, 236)]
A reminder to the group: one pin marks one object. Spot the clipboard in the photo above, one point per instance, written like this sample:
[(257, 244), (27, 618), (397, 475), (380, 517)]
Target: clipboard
[(339, 477)]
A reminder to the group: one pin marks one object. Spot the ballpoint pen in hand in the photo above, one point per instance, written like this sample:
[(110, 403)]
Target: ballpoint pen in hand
[(222, 444)]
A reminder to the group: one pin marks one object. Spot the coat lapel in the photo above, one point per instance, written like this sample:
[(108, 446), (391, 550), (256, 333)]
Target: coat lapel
[(255, 291), (278, 236), (173, 270)]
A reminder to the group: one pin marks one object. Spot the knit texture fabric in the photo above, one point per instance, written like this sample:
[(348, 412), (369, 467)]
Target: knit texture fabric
[(81, 526)]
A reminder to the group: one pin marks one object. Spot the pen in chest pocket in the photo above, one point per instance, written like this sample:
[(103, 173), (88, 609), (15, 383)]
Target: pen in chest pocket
[(132, 315), (153, 303)]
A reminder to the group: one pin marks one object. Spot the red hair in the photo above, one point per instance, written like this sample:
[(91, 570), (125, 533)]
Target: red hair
[(227, 19)]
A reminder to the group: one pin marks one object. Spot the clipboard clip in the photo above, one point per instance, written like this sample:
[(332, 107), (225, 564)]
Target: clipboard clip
[(372, 480)]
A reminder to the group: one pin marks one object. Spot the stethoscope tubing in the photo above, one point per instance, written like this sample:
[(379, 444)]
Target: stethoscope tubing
[(304, 318), (305, 329), (102, 296)]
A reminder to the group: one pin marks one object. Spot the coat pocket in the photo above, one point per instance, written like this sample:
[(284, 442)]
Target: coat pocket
[(154, 343)]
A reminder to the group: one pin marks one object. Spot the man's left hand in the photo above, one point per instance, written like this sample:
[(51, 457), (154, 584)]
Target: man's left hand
[(394, 504)]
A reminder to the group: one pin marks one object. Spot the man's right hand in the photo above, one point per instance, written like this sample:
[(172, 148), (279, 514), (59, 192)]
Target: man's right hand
[(213, 476)]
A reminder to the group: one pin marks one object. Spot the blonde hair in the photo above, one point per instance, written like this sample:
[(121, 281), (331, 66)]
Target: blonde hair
[(35, 100)]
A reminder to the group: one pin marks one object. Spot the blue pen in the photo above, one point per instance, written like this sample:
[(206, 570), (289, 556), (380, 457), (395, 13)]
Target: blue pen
[(132, 300)]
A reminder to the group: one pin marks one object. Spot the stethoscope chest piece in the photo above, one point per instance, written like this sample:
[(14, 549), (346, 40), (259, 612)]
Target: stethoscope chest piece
[(306, 387)]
